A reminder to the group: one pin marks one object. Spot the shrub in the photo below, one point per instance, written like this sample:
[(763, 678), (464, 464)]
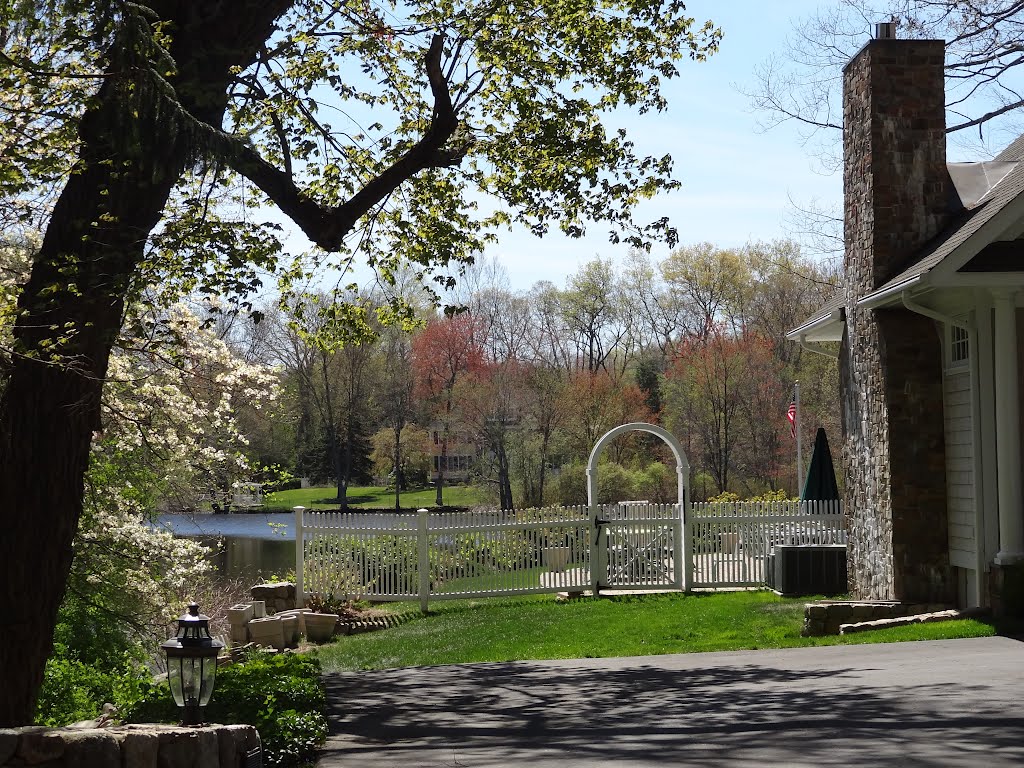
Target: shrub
[(72, 691), (572, 485), (656, 482), (94, 661), (279, 694)]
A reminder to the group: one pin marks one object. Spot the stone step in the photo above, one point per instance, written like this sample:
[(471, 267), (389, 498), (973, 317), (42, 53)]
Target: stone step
[(902, 621)]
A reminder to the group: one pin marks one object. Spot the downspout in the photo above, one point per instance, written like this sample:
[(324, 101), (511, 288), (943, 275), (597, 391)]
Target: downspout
[(929, 312), (979, 516), (817, 348)]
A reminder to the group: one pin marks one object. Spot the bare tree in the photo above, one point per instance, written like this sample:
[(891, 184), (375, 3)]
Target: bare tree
[(984, 51)]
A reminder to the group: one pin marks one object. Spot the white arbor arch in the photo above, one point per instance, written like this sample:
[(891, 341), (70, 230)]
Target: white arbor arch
[(597, 560)]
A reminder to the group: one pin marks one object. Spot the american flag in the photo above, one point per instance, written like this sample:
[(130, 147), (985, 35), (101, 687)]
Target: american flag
[(791, 415)]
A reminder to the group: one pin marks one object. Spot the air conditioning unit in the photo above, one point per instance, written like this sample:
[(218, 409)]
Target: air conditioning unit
[(794, 569)]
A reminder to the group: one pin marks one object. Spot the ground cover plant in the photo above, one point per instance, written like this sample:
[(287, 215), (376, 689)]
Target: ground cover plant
[(280, 694), (370, 497), (540, 627)]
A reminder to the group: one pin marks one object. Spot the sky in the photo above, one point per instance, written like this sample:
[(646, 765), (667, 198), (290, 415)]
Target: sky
[(736, 179)]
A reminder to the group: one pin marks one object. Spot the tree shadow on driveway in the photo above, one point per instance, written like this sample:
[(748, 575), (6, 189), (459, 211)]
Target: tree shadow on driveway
[(669, 712)]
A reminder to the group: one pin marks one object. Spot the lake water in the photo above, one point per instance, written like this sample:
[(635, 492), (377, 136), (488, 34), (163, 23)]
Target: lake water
[(249, 547)]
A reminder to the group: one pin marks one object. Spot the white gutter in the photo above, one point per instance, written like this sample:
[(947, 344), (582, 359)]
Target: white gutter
[(979, 517), (872, 300), (798, 333)]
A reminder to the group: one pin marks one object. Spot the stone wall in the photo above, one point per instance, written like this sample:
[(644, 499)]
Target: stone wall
[(827, 617), (276, 596), (1007, 590), (896, 197), (896, 188), (865, 457), (129, 746)]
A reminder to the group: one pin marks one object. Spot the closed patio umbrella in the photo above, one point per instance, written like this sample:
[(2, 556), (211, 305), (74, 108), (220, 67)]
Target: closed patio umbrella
[(821, 474)]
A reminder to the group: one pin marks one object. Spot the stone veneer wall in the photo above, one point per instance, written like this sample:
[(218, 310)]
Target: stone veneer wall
[(866, 498), (129, 746), (896, 193)]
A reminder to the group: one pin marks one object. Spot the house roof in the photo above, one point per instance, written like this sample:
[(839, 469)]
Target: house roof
[(824, 325), (1007, 188), (985, 191)]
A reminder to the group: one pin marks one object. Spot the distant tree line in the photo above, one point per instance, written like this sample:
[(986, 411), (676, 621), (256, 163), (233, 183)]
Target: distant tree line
[(694, 341)]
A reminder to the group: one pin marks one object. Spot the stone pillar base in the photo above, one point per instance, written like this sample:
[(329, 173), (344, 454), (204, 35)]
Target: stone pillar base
[(1006, 584)]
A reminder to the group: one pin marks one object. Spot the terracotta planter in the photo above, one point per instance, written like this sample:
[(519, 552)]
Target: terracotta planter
[(320, 626)]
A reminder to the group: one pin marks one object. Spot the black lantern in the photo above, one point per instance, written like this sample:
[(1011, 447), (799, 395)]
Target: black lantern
[(192, 664)]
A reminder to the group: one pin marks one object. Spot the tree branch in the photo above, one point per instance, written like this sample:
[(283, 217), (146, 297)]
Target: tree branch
[(326, 225), (984, 118)]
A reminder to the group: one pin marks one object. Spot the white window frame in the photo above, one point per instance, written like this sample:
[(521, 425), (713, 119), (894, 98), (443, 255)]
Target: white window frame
[(958, 346)]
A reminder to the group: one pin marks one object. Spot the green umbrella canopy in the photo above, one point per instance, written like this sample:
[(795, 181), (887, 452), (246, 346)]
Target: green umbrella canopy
[(821, 474)]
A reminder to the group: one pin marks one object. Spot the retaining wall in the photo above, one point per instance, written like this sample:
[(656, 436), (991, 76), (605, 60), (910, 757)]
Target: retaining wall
[(131, 746)]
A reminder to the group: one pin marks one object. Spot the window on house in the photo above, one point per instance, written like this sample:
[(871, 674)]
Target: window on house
[(959, 350)]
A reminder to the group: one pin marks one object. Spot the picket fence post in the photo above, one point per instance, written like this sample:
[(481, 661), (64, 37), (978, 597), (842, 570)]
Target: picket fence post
[(423, 557), (300, 558)]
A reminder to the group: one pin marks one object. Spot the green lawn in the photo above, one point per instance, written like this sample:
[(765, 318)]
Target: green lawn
[(461, 631), (370, 497)]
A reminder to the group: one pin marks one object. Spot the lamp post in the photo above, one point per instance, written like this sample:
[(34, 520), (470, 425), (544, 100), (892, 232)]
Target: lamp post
[(192, 664)]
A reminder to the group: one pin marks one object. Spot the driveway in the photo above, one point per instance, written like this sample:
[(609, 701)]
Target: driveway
[(938, 703)]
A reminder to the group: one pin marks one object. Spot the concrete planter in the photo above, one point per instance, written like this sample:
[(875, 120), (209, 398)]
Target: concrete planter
[(268, 632), (290, 630), (556, 558), (298, 613), (320, 626)]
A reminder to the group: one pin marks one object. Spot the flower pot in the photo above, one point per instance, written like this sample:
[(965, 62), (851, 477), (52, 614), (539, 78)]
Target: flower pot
[(320, 626)]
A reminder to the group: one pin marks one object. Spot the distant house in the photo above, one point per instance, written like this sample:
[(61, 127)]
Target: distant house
[(457, 460), (930, 331)]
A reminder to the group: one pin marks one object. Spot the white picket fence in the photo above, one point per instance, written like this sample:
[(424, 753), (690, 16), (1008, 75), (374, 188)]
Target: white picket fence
[(729, 541), (436, 556)]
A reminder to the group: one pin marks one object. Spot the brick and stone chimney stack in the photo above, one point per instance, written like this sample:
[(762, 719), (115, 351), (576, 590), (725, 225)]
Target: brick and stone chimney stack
[(896, 193)]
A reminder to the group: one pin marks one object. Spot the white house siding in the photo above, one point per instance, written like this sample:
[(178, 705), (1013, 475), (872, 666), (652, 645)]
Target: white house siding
[(960, 468)]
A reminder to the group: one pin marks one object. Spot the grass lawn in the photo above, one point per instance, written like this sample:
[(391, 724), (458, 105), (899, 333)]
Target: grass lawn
[(370, 497), (540, 627)]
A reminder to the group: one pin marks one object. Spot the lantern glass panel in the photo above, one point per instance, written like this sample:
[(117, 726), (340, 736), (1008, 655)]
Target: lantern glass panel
[(174, 679), (209, 675), (190, 676)]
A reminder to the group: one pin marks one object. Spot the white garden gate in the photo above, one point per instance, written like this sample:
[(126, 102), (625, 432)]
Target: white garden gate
[(638, 545)]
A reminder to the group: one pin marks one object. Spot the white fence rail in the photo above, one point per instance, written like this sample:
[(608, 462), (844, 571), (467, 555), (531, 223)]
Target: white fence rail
[(434, 556)]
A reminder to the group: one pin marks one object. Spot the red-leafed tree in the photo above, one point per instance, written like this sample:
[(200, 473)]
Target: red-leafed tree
[(727, 391), (442, 353), (597, 402)]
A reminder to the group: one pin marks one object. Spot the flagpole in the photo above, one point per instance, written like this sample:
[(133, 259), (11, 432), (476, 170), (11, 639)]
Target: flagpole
[(799, 442)]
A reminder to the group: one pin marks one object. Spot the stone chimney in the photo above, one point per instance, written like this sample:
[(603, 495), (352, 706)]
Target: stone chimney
[(895, 182), (896, 195)]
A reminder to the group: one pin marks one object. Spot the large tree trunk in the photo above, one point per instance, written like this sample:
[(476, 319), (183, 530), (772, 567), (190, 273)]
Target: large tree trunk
[(51, 406), (80, 279)]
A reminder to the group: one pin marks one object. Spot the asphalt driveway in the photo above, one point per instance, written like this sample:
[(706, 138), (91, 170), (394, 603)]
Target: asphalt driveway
[(938, 703)]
